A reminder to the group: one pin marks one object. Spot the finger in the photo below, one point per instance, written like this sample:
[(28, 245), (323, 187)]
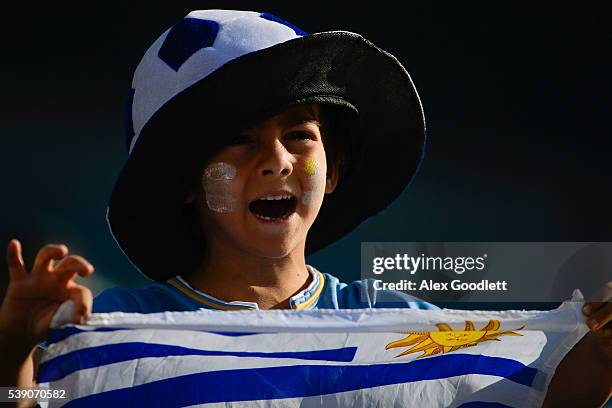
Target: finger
[(15, 262), (600, 317), (46, 255), (72, 264), (597, 301), (83, 301)]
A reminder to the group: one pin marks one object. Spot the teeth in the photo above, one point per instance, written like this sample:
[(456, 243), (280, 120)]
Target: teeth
[(284, 197), (263, 217)]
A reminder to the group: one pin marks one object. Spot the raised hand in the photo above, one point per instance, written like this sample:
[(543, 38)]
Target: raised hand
[(32, 298), (598, 311), (584, 377)]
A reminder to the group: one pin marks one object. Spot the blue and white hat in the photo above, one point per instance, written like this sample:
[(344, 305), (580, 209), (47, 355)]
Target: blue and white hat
[(217, 71)]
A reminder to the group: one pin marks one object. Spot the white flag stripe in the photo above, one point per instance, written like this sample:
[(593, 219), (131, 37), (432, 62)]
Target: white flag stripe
[(563, 319), (113, 376)]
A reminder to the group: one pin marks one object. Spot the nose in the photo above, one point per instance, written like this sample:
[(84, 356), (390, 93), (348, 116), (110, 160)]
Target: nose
[(275, 159)]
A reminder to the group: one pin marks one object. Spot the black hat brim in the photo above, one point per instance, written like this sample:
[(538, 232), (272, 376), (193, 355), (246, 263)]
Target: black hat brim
[(146, 208)]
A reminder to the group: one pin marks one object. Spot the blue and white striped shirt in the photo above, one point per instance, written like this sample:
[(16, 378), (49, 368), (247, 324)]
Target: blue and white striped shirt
[(324, 292)]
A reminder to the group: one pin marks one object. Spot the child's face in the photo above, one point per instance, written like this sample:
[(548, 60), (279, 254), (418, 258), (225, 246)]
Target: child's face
[(262, 193)]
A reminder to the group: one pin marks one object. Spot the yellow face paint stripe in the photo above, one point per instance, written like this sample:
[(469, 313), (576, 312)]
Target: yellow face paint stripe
[(310, 166), (315, 296), (202, 299)]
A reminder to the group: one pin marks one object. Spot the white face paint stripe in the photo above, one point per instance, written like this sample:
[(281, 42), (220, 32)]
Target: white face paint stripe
[(307, 197), (220, 171), (216, 182)]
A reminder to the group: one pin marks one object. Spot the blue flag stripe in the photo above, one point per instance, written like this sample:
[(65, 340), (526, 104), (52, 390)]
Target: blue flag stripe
[(61, 366), (302, 381)]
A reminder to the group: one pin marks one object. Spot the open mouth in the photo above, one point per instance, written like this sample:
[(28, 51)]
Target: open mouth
[(273, 208)]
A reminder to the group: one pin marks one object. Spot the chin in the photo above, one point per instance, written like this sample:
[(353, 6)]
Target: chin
[(275, 250)]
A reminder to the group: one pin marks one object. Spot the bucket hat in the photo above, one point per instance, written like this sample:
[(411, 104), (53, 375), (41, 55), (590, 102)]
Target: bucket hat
[(215, 72)]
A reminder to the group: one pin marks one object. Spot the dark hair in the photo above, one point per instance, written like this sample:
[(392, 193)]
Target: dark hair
[(337, 124)]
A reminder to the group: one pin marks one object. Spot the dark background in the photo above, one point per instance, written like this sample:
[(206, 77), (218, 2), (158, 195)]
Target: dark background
[(517, 99)]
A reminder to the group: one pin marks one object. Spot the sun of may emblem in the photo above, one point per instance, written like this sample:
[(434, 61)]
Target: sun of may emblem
[(446, 339)]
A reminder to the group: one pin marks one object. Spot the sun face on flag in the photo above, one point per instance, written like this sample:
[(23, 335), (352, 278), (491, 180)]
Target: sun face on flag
[(446, 339)]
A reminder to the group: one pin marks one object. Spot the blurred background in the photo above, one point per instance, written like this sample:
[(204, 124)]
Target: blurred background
[(517, 100)]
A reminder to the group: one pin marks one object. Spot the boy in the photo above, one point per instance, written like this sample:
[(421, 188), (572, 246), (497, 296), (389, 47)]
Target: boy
[(245, 136)]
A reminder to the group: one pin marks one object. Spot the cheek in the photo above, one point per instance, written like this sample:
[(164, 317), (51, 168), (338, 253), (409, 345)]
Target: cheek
[(217, 182), (314, 186)]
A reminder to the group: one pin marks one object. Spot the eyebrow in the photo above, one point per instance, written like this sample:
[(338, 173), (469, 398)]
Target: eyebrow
[(298, 117)]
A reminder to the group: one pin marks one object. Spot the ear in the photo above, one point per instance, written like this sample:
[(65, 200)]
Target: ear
[(332, 177)]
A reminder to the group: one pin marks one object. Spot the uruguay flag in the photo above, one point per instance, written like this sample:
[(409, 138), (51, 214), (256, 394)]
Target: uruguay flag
[(318, 358)]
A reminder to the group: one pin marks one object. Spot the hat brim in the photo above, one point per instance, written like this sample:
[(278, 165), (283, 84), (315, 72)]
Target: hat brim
[(146, 208)]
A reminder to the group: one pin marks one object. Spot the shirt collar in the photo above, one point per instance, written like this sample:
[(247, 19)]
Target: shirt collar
[(305, 299)]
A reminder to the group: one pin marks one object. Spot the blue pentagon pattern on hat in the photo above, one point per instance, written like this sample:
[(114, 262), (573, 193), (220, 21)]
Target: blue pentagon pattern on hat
[(191, 50)]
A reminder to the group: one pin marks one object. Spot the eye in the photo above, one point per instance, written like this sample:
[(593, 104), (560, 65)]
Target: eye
[(299, 135), (240, 140)]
